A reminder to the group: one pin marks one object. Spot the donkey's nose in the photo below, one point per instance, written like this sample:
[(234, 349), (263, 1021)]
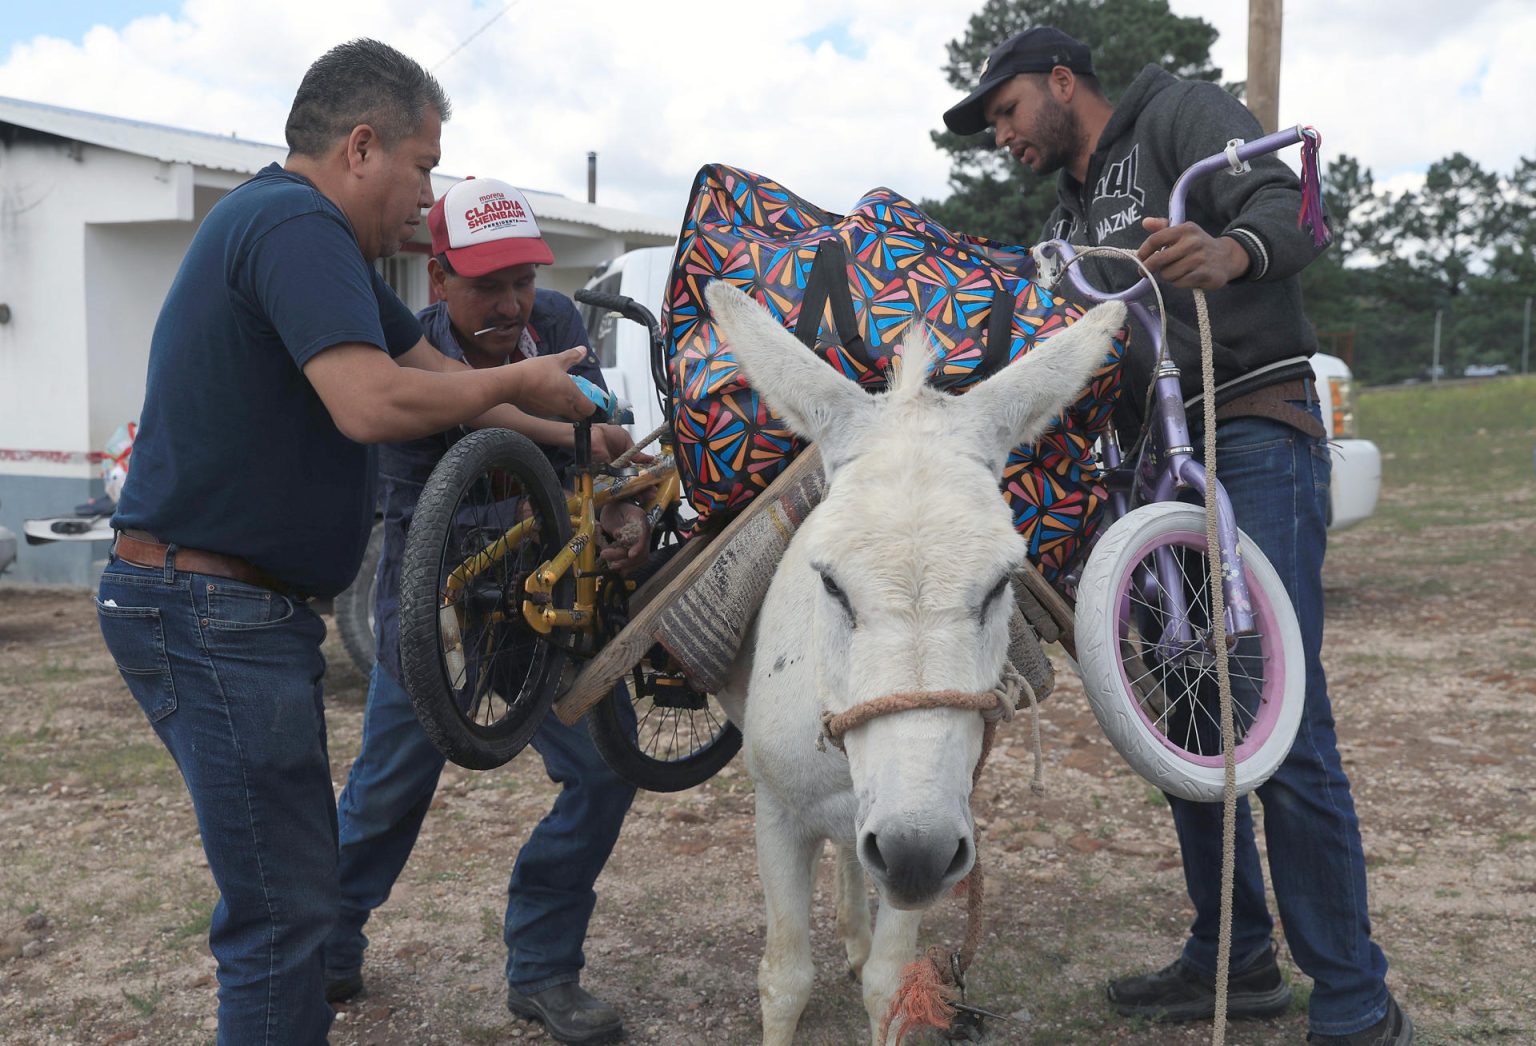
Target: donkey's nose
[(914, 867)]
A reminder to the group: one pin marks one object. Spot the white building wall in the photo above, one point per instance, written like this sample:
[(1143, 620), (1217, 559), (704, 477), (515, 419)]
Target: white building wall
[(128, 271), (50, 194), (90, 240)]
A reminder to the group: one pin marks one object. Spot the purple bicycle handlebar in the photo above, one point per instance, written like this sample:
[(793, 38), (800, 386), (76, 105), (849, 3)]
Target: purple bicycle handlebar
[(1248, 150)]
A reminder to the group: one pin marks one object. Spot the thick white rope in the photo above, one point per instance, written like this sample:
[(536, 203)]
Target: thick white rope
[(1223, 679), (623, 460)]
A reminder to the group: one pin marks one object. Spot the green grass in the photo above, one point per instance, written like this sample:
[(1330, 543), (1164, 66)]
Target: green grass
[(116, 763), (490, 924), (1455, 439), (195, 928), (146, 1004)]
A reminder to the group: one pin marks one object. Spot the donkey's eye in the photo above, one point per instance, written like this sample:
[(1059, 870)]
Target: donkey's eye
[(837, 593)]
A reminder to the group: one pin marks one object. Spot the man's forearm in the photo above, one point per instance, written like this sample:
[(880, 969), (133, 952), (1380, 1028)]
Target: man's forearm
[(540, 430), (421, 403)]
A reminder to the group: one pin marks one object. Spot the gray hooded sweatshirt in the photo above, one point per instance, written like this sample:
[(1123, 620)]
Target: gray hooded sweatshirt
[(1161, 126)]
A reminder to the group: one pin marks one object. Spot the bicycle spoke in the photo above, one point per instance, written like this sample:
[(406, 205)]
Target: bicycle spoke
[(1175, 677)]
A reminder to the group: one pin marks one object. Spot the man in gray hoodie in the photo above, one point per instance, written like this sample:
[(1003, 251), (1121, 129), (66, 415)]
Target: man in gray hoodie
[(1116, 165)]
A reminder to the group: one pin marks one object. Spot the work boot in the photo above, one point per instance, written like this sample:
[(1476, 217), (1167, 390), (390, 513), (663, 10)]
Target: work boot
[(568, 1013), (1395, 1029), (1179, 993), (343, 987)]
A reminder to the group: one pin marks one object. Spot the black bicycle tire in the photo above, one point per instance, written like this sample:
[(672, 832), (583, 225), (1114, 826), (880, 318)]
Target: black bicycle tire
[(617, 746), (353, 609), (466, 744), (609, 731)]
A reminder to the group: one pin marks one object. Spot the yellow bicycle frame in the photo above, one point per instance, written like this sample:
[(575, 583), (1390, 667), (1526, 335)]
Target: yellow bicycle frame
[(580, 553)]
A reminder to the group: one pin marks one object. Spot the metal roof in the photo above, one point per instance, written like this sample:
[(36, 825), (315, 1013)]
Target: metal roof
[(168, 144), (221, 153)]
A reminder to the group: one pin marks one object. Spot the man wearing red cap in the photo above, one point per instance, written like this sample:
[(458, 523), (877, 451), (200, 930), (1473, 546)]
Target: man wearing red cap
[(486, 249)]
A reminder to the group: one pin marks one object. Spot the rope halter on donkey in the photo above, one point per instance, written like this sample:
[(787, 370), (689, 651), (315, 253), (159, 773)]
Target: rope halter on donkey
[(931, 985)]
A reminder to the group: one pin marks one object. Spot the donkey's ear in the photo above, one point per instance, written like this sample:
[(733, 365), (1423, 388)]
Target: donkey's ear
[(817, 402), (1017, 403)]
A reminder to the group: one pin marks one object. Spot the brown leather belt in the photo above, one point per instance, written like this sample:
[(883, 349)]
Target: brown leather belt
[(151, 553), (1274, 401)]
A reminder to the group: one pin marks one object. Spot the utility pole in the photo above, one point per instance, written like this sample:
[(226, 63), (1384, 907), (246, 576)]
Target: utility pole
[(592, 177), (1434, 359), (1264, 17), (1525, 341)]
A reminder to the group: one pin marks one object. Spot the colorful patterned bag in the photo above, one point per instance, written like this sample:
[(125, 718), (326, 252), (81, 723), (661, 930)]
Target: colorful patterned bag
[(850, 286)]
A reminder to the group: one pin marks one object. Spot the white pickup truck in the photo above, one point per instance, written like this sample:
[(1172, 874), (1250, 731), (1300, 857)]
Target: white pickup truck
[(624, 352), (1356, 462)]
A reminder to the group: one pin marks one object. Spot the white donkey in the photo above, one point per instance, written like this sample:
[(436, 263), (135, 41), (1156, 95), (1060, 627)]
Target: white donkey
[(897, 583)]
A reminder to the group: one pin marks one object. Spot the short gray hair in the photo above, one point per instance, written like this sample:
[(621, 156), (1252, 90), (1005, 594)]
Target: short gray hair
[(361, 82)]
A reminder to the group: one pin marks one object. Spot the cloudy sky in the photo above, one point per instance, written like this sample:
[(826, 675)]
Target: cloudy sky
[(830, 97)]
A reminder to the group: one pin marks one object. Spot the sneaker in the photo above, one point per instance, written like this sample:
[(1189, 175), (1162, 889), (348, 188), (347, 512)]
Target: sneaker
[(343, 987), (1395, 1029), (1178, 993), (569, 1014)]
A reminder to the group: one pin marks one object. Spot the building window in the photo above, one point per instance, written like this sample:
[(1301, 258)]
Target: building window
[(406, 272)]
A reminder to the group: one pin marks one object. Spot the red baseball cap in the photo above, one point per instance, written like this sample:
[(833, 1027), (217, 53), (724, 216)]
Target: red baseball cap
[(482, 225)]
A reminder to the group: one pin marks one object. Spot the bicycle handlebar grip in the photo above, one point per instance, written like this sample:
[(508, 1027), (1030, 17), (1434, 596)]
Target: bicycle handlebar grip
[(603, 300), (609, 407), (622, 304)]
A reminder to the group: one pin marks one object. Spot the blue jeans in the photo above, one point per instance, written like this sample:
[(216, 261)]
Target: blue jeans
[(550, 895), (229, 676), (1277, 478)]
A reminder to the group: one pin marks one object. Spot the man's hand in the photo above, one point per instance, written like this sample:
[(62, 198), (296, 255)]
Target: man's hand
[(609, 441), (629, 538), (545, 388), (1188, 257)]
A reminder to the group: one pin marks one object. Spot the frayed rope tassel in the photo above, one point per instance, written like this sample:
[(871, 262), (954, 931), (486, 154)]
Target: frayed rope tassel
[(923, 999)]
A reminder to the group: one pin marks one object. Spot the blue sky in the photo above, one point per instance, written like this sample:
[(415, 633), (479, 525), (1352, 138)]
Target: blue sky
[(830, 97), (26, 19)]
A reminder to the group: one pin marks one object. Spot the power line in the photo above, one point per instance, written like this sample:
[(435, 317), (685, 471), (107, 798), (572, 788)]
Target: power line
[(465, 43)]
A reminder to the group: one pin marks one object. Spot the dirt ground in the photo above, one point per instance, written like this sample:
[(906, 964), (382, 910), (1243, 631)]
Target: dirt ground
[(105, 898)]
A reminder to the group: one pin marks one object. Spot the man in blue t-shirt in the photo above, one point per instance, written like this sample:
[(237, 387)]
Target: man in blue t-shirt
[(278, 354), (490, 314)]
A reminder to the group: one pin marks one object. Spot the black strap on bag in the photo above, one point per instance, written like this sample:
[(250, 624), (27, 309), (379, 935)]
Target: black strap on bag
[(828, 281), (999, 335)]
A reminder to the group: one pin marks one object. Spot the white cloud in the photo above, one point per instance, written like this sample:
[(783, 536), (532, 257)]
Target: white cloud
[(656, 89), (1392, 84), (659, 89)]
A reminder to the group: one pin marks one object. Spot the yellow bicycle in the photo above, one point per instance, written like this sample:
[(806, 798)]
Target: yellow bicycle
[(503, 595)]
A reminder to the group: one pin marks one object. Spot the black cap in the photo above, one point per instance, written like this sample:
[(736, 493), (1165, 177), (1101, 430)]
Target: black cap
[(1037, 50)]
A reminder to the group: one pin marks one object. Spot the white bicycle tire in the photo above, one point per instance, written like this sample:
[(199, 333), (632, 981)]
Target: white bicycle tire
[(1101, 594)]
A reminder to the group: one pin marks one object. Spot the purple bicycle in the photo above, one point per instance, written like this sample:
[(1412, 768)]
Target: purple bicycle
[(1143, 625)]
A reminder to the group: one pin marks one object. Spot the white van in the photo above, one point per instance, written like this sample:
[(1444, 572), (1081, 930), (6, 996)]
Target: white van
[(624, 351), (623, 348)]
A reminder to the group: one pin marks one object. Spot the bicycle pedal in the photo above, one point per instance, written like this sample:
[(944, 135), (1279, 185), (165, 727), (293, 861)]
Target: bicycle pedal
[(672, 691)]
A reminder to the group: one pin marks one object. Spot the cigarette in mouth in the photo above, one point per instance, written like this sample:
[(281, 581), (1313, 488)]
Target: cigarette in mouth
[(485, 330)]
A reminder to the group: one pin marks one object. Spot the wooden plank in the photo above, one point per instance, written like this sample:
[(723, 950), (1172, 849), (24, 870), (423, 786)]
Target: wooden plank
[(595, 682)]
